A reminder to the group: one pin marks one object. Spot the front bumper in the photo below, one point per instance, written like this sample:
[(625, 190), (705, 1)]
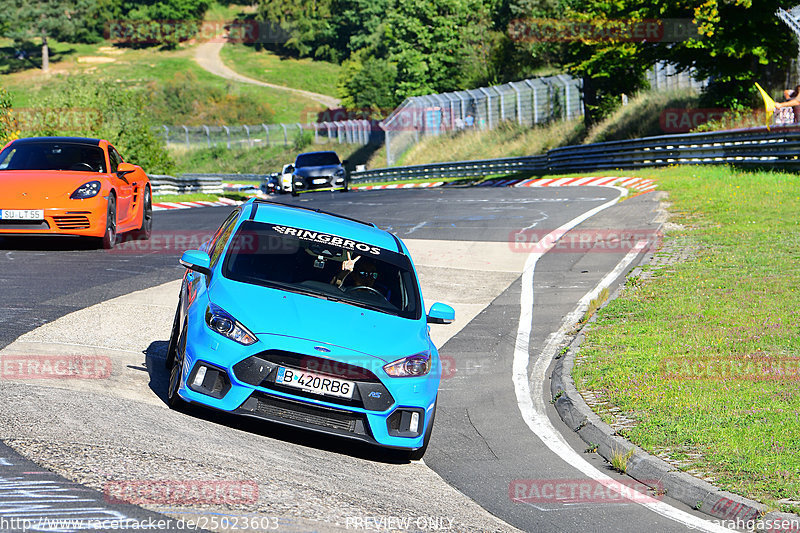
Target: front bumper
[(83, 218), (319, 183), (241, 381)]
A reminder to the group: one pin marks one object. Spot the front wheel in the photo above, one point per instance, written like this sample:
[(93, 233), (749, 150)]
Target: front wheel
[(294, 189), (346, 185), (174, 399)]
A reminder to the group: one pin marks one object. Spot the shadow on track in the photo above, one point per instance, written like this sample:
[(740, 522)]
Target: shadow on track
[(155, 356)]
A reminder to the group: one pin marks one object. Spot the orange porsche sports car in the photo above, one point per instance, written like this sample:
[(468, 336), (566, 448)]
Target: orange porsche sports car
[(72, 186)]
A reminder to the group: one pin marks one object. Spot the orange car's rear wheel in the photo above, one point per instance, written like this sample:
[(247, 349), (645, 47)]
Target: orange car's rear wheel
[(144, 232), (109, 238)]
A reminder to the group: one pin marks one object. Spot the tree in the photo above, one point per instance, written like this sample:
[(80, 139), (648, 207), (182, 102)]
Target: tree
[(60, 19), (367, 84), (437, 45), (734, 43), (739, 42)]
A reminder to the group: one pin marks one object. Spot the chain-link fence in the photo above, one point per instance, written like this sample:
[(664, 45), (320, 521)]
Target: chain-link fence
[(663, 76), (248, 136), (527, 102)]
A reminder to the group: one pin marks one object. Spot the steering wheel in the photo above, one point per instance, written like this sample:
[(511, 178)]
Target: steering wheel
[(81, 167), (370, 289)]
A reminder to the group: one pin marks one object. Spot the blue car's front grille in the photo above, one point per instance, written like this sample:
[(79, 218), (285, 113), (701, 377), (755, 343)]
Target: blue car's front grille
[(290, 411)]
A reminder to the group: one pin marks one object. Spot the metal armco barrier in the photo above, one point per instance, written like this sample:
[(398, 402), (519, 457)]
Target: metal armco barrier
[(187, 183), (779, 148), (757, 147)]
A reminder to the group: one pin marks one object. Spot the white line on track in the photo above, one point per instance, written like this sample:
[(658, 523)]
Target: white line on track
[(532, 408)]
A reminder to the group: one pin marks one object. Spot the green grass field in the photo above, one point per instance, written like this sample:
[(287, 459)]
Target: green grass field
[(263, 65), (733, 305)]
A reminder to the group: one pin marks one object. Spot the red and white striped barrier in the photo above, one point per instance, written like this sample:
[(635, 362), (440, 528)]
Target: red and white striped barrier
[(162, 206)]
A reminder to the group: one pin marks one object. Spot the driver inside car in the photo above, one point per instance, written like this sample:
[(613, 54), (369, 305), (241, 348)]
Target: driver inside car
[(357, 272)]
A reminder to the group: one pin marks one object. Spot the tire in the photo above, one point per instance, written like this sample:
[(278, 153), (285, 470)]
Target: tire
[(416, 455), (144, 232), (346, 185), (109, 238), (294, 189), (172, 347), (174, 401)]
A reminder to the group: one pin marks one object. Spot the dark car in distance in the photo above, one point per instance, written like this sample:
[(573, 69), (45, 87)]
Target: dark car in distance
[(318, 171)]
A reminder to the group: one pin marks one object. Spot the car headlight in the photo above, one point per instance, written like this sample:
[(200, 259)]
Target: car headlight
[(411, 366), (87, 190), (339, 173), (223, 323)]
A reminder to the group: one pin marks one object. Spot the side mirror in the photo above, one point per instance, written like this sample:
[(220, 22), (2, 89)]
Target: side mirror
[(441, 314), (124, 169), (289, 169), (197, 260)]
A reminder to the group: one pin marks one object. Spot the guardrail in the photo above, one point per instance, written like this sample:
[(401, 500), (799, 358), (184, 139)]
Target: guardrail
[(778, 148), (186, 183)]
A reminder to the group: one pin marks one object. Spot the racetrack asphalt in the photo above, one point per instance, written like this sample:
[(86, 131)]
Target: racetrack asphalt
[(120, 428)]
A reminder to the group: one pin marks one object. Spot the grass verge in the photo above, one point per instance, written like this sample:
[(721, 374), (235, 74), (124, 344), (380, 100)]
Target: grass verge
[(263, 65), (196, 197), (702, 352)]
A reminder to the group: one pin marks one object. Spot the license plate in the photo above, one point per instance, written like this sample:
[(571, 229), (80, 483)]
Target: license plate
[(320, 181), (311, 382), (22, 214)]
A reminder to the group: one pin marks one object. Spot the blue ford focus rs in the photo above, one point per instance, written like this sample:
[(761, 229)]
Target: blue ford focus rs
[(309, 319)]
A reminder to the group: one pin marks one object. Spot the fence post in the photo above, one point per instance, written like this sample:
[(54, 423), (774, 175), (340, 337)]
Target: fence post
[(285, 135), (228, 132), (208, 135), (488, 105), (519, 103), (186, 132), (266, 132), (166, 133), (316, 133), (247, 129)]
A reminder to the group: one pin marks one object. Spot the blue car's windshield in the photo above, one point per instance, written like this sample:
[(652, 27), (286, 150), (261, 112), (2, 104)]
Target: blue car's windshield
[(47, 155), (317, 159), (324, 266)]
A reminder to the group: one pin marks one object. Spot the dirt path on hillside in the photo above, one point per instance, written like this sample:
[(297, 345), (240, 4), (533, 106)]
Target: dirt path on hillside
[(207, 56)]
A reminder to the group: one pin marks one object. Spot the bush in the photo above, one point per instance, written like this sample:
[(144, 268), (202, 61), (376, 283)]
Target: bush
[(185, 100), (8, 127), (103, 109)]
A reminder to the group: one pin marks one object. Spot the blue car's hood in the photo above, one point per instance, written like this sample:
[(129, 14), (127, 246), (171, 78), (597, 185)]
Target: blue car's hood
[(269, 311), (310, 172)]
